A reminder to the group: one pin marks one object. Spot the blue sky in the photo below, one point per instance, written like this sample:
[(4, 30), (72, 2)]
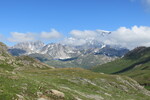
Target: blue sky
[(63, 16)]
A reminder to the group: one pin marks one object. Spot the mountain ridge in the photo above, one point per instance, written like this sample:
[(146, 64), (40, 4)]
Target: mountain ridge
[(57, 54), (18, 62)]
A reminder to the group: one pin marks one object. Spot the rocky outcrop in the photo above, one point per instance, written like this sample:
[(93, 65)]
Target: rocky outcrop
[(56, 93)]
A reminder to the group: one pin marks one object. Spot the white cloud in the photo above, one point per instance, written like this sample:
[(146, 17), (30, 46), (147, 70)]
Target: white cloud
[(21, 37), (126, 37), (81, 37), (87, 34), (53, 34), (45, 36), (83, 34), (136, 36), (74, 41)]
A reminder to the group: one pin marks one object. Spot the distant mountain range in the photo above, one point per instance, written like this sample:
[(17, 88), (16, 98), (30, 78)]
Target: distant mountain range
[(91, 53), (60, 55), (53, 50), (9, 62)]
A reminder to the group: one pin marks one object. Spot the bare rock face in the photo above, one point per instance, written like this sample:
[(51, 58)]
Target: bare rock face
[(54, 50), (17, 63), (30, 46), (59, 51)]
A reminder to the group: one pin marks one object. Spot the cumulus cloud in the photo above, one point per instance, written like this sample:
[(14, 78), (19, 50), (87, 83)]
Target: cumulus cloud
[(79, 37), (125, 37), (83, 34), (53, 34), (23, 37), (130, 37), (74, 41), (88, 33)]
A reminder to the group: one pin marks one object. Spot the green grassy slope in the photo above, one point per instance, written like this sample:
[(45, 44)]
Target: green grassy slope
[(83, 61), (24, 78), (135, 64), (74, 83)]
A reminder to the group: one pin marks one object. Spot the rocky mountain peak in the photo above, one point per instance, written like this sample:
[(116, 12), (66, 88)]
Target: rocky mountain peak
[(59, 51), (29, 47)]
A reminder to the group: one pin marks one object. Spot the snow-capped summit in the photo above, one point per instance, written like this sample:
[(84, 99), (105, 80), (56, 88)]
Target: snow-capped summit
[(53, 50), (60, 51), (29, 47)]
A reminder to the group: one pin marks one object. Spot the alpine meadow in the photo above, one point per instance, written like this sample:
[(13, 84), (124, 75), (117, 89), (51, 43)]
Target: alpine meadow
[(74, 50)]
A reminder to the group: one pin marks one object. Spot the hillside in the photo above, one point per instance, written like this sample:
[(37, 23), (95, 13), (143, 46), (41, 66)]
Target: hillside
[(70, 84), (18, 63), (24, 78), (135, 64)]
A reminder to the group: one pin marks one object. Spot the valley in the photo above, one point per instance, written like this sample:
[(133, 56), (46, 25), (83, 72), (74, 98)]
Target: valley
[(74, 49), (25, 78)]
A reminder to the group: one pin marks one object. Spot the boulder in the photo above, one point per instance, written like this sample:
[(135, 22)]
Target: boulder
[(56, 93)]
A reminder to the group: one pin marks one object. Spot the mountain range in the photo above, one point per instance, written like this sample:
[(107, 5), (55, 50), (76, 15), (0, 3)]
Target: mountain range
[(60, 55), (25, 78)]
